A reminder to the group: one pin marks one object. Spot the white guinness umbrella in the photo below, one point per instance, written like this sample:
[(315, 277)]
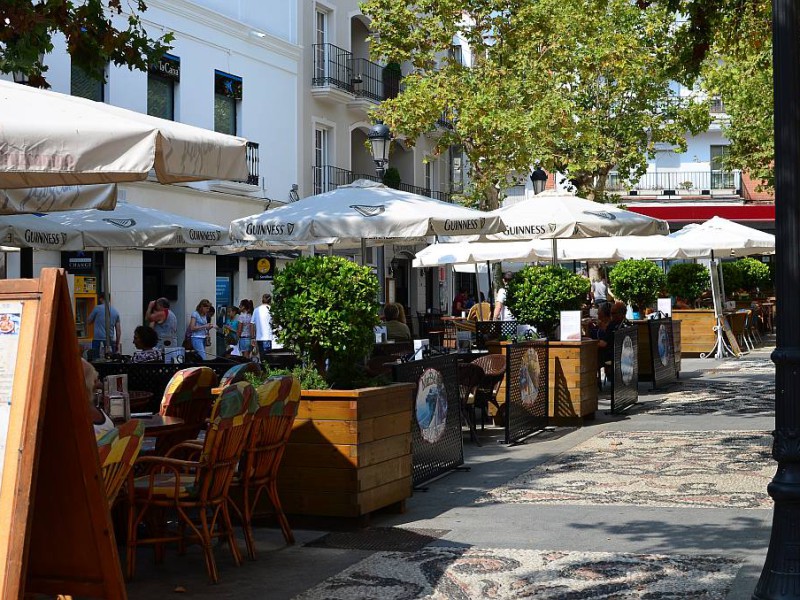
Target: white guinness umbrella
[(67, 197), (724, 238), (132, 226), (36, 231), (362, 211), (49, 139)]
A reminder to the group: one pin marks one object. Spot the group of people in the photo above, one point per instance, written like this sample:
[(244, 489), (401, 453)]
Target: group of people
[(245, 328)]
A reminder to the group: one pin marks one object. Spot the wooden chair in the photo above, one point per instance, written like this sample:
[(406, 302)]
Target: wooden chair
[(118, 450), (494, 369), (470, 376), (188, 396), (738, 320), (238, 372), (200, 486), (278, 400)]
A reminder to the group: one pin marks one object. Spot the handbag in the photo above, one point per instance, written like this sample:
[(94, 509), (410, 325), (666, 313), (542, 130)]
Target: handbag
[(207, 341)]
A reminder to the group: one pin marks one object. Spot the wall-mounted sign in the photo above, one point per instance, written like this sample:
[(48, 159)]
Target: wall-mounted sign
[(168, 66), (261, 269), (228, 85), (77, 262)]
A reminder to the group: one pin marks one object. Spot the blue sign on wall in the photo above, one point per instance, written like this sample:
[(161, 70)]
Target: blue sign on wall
[(223, 291)]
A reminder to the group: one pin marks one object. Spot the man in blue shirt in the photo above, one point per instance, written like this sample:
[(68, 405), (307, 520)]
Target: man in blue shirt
[(98, 317)]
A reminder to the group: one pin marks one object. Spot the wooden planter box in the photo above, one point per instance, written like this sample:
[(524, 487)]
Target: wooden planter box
[(645, 358), (349, 453), (697, 331), (572, 379)]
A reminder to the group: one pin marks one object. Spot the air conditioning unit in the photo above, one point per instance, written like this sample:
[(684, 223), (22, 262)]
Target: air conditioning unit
[(669, 192), (633, 192), (705, 192)]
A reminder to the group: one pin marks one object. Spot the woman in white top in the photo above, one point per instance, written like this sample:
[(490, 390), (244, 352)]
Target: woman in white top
[(245, 330), (199, 327)]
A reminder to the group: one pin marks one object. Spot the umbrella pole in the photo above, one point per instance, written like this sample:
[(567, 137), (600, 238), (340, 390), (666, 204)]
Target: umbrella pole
[(491, 291), (554, 247), (330, 249), (106, 290), (363, 252), (478, 293)]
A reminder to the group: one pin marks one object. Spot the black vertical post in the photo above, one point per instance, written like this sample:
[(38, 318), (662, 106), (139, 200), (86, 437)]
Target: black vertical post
[(780, 577)]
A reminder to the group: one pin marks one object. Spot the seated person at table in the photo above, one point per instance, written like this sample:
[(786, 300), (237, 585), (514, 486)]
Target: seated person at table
[(101, 421), (616, 319), (459, 302), (145, 339), (481, 311), (395, 329)]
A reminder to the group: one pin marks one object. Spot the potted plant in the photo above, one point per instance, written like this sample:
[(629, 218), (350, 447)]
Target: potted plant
[(338, 462), (688, 281), (733, 279), (637, 282), (537, 295), (755, 274), (392, 178)]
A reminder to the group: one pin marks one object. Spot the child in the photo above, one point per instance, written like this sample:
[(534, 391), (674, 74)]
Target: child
[(229, 329)]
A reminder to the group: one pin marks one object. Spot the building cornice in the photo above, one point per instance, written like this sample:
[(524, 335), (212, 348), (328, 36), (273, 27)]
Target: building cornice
[(217, 21)]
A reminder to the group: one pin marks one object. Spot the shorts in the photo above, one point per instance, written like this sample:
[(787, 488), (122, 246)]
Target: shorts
[(245, 344)]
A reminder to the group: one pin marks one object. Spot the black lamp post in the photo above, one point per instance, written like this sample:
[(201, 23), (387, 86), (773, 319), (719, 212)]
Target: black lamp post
[(780, 577), (380, 138), (538, 179)]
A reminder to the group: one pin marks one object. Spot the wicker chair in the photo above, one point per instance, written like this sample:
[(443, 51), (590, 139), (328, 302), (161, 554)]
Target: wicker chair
[(118, 450), (470, 376), (187, 396), (278, 400), (197, 486), (738, 321), (494, 369)]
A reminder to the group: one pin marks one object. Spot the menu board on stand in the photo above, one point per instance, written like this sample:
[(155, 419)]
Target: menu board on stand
[(56, 536)]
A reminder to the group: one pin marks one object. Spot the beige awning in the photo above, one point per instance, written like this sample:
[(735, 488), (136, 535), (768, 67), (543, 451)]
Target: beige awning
[(51, 139)]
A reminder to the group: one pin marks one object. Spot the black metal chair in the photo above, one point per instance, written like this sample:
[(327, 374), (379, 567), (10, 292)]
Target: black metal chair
[(494, 370), (470, 376)]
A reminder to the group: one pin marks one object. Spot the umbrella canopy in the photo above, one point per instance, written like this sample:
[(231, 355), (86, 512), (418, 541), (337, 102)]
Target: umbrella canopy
[(36, 231), (49, 139), (68, 197), (132, 226), (363, 210), (556, 215), (723, 238)]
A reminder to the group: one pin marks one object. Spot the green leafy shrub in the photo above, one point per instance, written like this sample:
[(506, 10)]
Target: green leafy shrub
[(537, 295), (688, 281), (391, 178), (755, 274), (326, 308), (732, 277), (308, 377), (637, 282)]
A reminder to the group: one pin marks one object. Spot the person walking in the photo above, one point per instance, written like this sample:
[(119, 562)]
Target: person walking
[(199, 327), (245, 328), (100, 336), (164, 322), (600, 290), (262, 321), (501, 311)]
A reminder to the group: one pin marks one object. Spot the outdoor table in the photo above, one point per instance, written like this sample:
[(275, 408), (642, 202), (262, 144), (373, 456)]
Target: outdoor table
[(156, 425)]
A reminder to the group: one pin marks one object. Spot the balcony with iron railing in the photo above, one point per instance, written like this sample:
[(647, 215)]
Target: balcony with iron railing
[(702, 182), (327, 178), (337, 68)]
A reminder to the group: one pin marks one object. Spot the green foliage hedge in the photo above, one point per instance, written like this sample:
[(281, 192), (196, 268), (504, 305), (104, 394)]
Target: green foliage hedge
[(637, 282), (326, 308), (688, 281), (746, 274), (537, 295)]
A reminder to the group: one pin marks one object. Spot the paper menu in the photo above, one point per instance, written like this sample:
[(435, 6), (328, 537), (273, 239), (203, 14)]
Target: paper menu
[(10, 321), (570, 325)]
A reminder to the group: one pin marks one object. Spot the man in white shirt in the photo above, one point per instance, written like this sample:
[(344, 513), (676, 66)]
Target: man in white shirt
[(262, 319), (501, 311)]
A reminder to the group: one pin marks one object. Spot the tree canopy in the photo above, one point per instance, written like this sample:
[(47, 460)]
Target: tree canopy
[(581, 85), (27, 29)]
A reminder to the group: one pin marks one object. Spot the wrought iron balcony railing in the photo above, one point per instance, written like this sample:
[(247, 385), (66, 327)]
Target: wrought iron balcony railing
[(677, 181), (252, 163), (328, 177), (334, 66)]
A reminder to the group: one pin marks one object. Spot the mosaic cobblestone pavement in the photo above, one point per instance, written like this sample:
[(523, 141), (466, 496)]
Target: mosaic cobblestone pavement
[(500, 574), (706, 396), (700, 469)]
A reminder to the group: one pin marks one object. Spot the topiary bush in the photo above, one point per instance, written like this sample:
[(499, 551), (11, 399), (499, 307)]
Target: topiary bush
[(688, 281), (637, 282), (391, 178), (537, 295), (755, 274), (326, 308), (733, 281)]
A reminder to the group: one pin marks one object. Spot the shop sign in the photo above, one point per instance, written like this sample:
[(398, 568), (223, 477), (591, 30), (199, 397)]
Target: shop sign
[(77, 262), (261, 269), (168, 67)]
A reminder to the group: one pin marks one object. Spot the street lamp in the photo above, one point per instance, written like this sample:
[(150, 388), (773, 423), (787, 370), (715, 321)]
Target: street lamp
[(780, 577), (380, 138), (538, 179)]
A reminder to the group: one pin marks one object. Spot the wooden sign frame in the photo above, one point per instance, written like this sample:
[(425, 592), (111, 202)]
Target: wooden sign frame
[(56, 535)]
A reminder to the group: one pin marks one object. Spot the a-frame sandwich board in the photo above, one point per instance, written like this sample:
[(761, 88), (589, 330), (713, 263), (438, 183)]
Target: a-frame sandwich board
[(56, 535)]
